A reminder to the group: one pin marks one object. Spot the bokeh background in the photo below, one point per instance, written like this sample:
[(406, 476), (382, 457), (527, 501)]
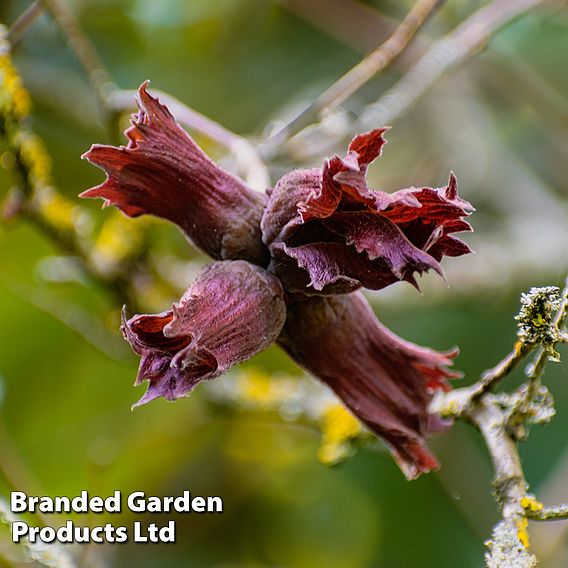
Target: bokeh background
[(500, 122)]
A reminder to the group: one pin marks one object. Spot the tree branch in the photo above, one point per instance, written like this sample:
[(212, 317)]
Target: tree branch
[(351, 22), (510, 544), (375, 62), (34, 195), (503, 421), (445, 55), (558, 513), (506, 366), (87, 56), (24, 21), (113, 101)]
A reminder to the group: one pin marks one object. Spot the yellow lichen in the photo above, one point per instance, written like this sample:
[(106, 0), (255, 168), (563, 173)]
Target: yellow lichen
[(256, 386), (26, 148), (451, 409), (36, 158), (529, 503), (14, 98), (339, 427), (522, 533), (56, 211), (7, 160), (119, 240)]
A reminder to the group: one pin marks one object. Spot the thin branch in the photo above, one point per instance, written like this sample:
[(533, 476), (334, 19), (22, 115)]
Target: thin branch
[(518, 82), (351, 22), (371, 65), (24, 21), (36, 552), (14, 472), (503, 421), (97, 73), (509, 545), (505, 367), (456, 402), (445, 55), (558, 513), (510, 485), (35, 198), (248, 159), (112, 101)]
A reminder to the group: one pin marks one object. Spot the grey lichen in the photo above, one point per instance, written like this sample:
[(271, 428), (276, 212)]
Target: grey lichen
[(535, 319), (508, 547), (526, 407)]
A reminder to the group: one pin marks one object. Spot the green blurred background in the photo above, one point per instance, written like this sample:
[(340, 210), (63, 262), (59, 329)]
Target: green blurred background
[(500, 122)]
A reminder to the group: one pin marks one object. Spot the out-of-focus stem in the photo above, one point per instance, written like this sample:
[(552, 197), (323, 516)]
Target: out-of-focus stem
[(24, 21), (15, 472), (352, 22), (444, 55), (372, 64), (89, 59)]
